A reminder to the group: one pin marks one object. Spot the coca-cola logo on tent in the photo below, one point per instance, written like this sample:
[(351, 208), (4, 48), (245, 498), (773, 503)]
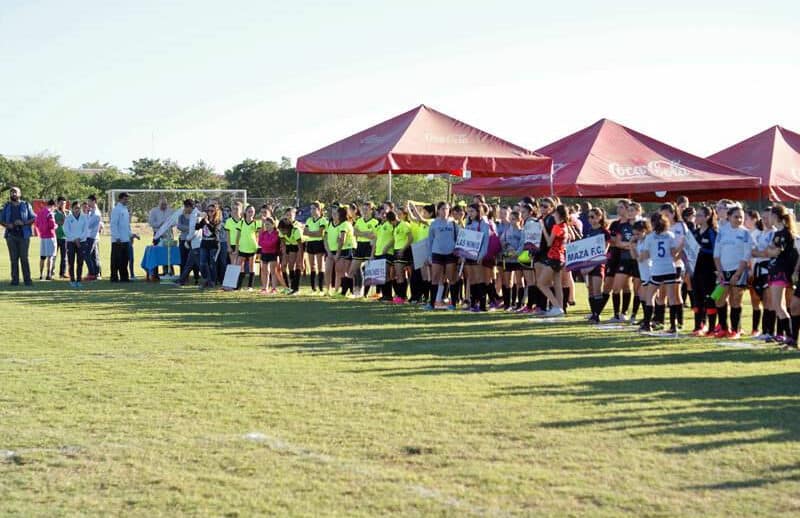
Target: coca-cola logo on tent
[(457, 138), (665, 169)]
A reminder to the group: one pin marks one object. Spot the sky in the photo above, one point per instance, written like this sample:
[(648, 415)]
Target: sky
[(216, 81)]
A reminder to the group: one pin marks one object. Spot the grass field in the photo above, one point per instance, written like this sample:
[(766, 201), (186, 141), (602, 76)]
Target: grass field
[(155, 401)]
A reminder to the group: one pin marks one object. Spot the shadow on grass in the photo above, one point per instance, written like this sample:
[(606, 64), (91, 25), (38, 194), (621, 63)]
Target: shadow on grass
[(723, 411), (771, 476)]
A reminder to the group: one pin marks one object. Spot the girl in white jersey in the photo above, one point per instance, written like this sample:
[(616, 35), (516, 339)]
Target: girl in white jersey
[(647, 290), (663, 250), (759, 274), (679, 229), (732, 257)]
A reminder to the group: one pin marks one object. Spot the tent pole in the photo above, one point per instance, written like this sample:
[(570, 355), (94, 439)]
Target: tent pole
[(297, 189), (552, 187), (390, 185)]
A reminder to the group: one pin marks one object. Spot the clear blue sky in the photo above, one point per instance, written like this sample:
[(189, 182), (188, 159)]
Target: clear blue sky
[(223, 81)]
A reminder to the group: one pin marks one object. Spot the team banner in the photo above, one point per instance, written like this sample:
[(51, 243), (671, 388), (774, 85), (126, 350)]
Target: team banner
[(586, 253), (375, 272), (468, 244), (420, 250)]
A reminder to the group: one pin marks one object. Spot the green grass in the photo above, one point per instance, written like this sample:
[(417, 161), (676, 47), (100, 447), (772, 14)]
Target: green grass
[(138, 400)]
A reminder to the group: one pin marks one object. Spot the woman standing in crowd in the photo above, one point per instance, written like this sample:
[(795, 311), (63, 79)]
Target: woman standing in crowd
[(402, 255), (511, 240), (474, 268), (269, 242), (210, 224), (442, 237), (292, 238), (314, 237), (364, 232), (646, 291), (783, 261), (246, 246), (420, 221), (596, 276), (383, 248), (548, 277), (760, 286), (663, 249), (45, 224), (705, 272), (732, 259)]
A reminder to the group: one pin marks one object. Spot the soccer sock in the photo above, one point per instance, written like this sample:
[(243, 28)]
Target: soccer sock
[(684, 291), (756, 320), (564, 298), (404, 289), (636, 303), (768, 323), (483, 290), (520, 295), (296, 280), (680, 314), (722, 316), (454, 289), (673, 316), (540, 298), (784, 327), (603, 302), (506, 296), (615, 301), (239, 281), (387, 290), (690, 294), (473, 295), (648, 314), (698, 318), (795, 327), (626, 301), (250, 277), (312, 279), (344, 285), (736, 316), (659, 311), (531, 296), (712, 318)]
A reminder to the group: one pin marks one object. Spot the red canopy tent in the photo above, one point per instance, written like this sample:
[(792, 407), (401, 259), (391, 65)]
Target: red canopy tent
[(609, 160), (424, 141), (772, 155)]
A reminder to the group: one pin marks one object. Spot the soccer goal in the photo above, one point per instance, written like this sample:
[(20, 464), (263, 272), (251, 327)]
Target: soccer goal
[(143, 200)]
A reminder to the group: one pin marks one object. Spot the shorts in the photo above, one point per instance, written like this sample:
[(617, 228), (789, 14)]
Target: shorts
[(268, 258), (363, 250), (512, 266), (779, 279), (291, 249), (597, 271), (443, 259), (663, 280), (346, 254), (389, 257), (246, 255), (404, 258), (233, 248), (627, 267), (47, 247), (553, 264), (315, 247), (726, 279)]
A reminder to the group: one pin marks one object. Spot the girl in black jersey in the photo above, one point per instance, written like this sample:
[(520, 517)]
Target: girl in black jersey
[(782, 266), (596, 276), (705, 272), (626, 266)]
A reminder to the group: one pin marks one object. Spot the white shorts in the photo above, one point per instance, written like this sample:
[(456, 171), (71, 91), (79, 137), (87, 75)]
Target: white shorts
[(47, 247)]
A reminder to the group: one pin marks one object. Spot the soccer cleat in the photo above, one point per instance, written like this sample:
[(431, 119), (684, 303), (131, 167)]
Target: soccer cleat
[(722, 333), (734, 335), (427, 307), (555, 312), (263, 291), (451, 307), (699, 332), (398, 300), (440, 305)]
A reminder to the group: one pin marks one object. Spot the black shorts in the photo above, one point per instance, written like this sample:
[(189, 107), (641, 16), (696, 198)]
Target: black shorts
[(627, 267), (726, 279), (404, 258), (292, 249), (389, 257), (663, 280), (597, 271), (512, 267), (443, 259), (345, 254), (268, 258), (363, 250), (553, 264), (246, 255), (315, 247), (233, 248)]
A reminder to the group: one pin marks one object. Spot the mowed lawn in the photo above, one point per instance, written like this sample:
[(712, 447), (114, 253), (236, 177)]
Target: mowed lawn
[(155, 401)]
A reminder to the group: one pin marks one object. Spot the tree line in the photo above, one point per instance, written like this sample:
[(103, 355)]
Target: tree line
[(45, 177)]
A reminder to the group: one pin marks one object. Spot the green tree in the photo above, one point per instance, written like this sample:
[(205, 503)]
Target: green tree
[(18, 173), (263, 179)]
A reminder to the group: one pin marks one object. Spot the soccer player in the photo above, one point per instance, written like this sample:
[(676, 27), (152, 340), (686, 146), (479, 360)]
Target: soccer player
[(247, 245), (313, 234), (732, 259)]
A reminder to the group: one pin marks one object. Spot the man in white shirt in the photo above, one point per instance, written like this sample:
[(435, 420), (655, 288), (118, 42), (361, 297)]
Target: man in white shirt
[(193, 241), (94, 226), (120, 239), (75, 236)]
